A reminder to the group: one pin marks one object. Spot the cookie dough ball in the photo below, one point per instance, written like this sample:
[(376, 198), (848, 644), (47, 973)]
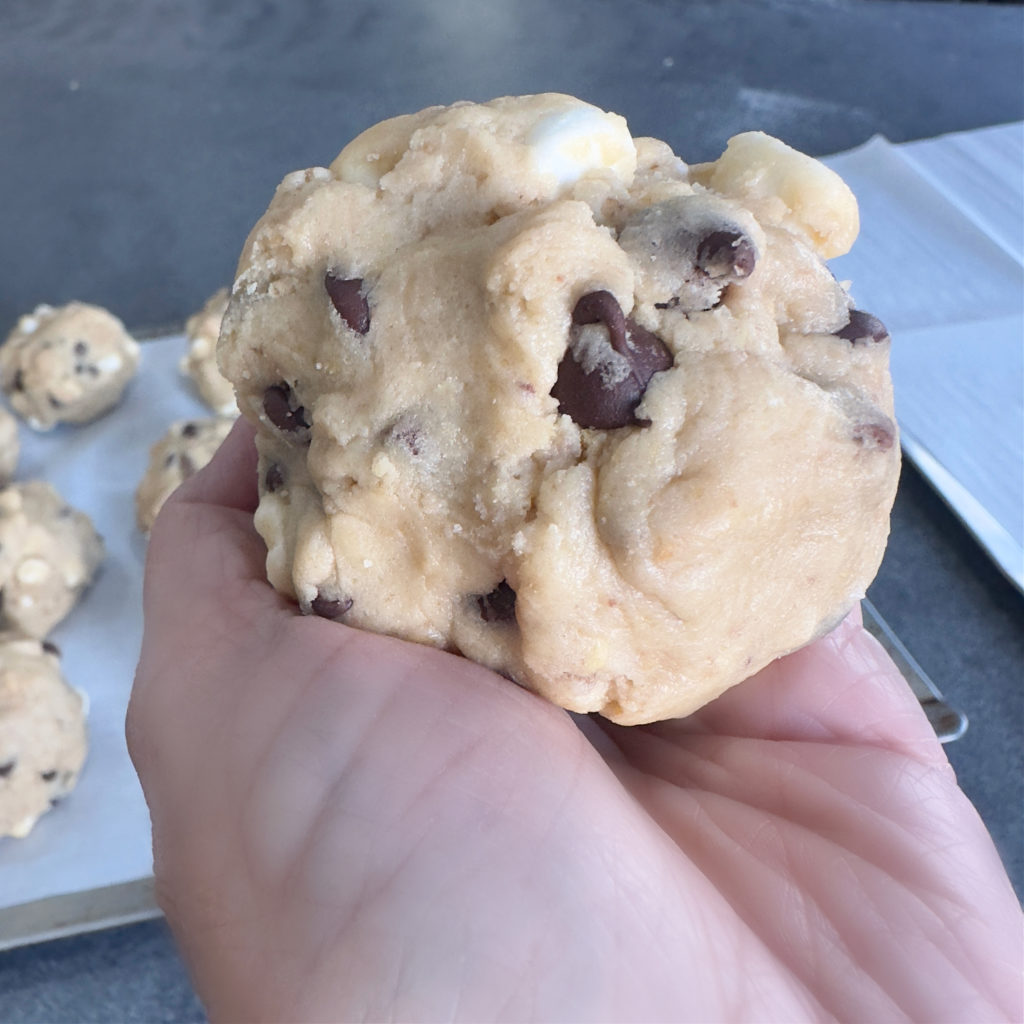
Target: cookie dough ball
[(68, 364), (528, 389), (49, 554), (42, 733), (200, 363), (186, 447), (9, 445)]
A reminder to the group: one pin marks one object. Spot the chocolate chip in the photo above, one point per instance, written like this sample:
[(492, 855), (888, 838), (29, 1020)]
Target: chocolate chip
[(189, 430), (598, 391), (347, 296), (80, 348), (282, 410), (686, 250), (48, 776), (499, 605), (726, 254), (877, 435), (863, 329), (18, 381), (7, 768), (51, 648), (273, 480), (330, 607)]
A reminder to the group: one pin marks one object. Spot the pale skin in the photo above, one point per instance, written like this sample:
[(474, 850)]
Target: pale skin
[(348, 827)]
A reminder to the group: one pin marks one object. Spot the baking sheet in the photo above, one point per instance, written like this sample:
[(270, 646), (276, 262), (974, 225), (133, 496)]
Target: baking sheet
[(94, 847), (953, 304)]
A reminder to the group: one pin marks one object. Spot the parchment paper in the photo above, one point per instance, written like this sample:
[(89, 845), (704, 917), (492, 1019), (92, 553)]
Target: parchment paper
[(940, 259)]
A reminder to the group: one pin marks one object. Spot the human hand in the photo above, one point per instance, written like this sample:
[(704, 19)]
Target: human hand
[(349, 827)]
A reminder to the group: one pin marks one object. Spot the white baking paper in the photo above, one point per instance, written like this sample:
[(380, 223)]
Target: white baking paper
[(99, 836), (940, 259)]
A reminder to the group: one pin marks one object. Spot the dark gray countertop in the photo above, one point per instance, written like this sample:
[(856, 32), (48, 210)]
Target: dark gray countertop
[(139, 142)]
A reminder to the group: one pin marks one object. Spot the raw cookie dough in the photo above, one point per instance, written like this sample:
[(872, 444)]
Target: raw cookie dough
[(186, 447), (9, 445), (49, 553), (68, 364), (530, 390), (200, 362), (42, 733)]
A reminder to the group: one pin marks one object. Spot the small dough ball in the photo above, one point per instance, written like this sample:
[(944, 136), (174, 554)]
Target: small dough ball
[(42, 733), (67, 364), (186, 447), (9, 446), (49, 554), (200, 362)]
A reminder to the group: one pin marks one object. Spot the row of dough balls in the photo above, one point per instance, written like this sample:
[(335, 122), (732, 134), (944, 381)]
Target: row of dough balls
[(49, 551), (71, 364), (67, 364)]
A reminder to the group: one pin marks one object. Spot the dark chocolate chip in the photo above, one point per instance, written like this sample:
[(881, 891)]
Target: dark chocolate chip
[(592, 397), (863, 329), (499, 605), (726, 254), (51, 648), (80, 348), (189, 430), (687, 250), (347, 296), (874, 435), (273, 479), (7, 768), (18, 382), (48, 776), (330, 607), (55, 403), (282, 410)]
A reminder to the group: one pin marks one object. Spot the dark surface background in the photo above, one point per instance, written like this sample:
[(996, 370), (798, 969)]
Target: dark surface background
[(140, 140)]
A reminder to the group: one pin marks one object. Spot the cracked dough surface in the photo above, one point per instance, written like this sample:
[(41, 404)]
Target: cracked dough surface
[(537, 392)]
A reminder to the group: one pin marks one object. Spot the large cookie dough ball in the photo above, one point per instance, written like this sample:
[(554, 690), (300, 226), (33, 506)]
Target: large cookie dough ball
[(200, 363), (68, 364), (9, 445), (184, 449), (49, 554), (42, 733), (528, 389)]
